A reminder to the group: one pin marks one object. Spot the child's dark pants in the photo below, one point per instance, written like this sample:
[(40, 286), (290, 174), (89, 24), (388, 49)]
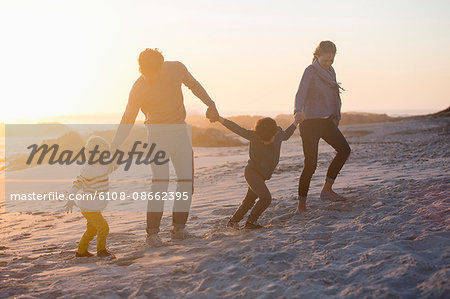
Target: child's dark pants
[(256, 189)]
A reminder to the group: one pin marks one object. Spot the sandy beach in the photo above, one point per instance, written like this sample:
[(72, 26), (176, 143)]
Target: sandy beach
[(391, 239)]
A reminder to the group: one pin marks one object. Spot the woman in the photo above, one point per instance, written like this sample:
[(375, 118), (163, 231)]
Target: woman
[(318, 110)]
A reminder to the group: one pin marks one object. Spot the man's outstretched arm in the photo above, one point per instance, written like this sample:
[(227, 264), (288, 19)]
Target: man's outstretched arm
[(198, 90), (126, 123)]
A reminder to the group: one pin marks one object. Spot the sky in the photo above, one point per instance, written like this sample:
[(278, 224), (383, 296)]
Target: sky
[(80, 57)]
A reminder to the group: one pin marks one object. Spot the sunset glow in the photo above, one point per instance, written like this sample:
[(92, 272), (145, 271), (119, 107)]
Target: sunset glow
[(195, 149), (79, 57)]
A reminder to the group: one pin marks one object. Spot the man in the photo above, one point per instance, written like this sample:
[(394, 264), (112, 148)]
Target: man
[(157, 93)]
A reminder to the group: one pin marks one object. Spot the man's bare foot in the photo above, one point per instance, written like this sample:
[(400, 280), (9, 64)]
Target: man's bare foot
[(301, 207)]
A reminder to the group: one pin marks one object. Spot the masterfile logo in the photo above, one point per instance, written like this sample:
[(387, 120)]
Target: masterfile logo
[(49, 164), (92, 157)]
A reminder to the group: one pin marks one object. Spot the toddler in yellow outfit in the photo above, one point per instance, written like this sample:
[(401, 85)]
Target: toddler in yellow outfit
[(92, 178)]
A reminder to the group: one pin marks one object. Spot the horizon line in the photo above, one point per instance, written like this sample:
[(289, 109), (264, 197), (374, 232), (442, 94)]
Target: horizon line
[(390, 112)]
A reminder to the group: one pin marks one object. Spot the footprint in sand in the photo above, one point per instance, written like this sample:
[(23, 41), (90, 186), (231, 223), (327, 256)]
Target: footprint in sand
[(69, 258), (223, 211), (21, 237), (281, 218), (340, 207), (130, 259), (119, 236), (48, 248), (311, 214)]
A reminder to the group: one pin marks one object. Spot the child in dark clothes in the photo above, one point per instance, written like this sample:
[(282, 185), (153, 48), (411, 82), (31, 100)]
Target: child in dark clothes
[(264, 151)]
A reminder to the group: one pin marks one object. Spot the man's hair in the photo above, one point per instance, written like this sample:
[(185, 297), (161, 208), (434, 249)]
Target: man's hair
[(266, 128), (150, 61)]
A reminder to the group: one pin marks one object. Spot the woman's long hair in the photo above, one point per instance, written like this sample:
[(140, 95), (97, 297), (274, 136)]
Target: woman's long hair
[(324, 47)]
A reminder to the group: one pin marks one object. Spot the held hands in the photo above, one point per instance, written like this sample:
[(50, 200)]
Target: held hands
[(69, 206), (299, 117), (212, 114)]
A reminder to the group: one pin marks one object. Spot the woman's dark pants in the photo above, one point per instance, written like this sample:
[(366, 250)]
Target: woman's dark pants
[(311, 130)]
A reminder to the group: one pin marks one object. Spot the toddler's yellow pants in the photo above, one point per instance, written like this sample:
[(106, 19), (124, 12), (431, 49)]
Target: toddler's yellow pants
[(96, 225)]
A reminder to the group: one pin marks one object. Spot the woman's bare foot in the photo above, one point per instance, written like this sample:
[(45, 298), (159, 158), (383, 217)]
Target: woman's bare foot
[(302, 206), (328, 193), (332, 196)]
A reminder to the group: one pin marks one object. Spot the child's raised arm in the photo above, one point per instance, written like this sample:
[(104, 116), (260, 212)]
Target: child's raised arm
[(289, 131), (234, 127)]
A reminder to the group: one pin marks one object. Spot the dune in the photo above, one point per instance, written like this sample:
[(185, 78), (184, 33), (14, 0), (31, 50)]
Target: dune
[(211, 137), (284, 120), (443, 113)]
